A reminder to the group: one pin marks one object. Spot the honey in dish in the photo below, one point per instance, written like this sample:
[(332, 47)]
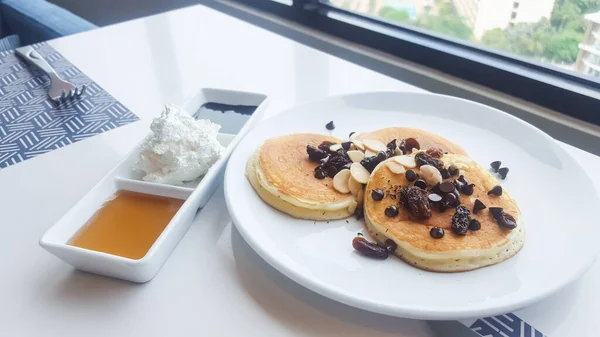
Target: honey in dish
[(127, 225)]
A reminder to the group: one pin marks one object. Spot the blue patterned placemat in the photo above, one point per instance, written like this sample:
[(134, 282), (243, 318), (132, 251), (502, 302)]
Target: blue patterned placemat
[(508, 325), (31, 124)]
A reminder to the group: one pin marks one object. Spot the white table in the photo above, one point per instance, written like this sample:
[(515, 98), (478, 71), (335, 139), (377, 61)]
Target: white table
[(213, 284)]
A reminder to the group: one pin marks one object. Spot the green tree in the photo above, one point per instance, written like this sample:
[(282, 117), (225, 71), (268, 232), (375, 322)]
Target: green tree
[(446, 22), (394, 14), (555, 40), (568, 14), (496, 38)]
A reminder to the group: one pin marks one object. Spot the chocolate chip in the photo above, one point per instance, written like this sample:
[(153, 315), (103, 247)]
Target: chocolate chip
[(506, 220), (496, 165), (445, 174), (421, 184), (436, 232), (433, 197), (346, 145), (451, 200), (377, 194), (330, 126), (503, 171), (390, 245), (446, 187), (474, 225), (478, 206), (411, 175), (497, 190), (331, 171), (350, 135), (359, 213), (391, 146), (467, 189), (496, 211), (315, 154), (453, 170), (319, 174), (391, 211)]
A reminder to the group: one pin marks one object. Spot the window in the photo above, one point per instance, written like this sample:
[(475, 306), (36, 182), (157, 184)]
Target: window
[(532, 55), (547, 31)]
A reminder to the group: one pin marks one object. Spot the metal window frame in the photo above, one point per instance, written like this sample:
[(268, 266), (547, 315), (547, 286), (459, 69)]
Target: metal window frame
[(560, 90)]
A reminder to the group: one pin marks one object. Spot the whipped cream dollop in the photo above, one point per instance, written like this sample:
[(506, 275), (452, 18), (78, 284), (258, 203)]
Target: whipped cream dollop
[(180, 148)]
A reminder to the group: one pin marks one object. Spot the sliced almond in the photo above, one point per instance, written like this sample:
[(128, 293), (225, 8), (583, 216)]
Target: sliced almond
[(340, 181), (356, 155), (359, 144), (354, 186), (369, 153), (352, 207), (374, 145), (398, 152), (430, 174), (406, 161), (359, 173), (395, 167), (352, 147), (360, 198), (335, 147)]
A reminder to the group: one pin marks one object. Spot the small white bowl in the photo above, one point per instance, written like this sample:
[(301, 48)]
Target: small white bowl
[(123, 177)]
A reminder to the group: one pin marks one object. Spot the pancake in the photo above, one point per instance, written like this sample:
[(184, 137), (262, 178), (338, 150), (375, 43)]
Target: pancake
[(425, 139), (452, 253), (283, 177)]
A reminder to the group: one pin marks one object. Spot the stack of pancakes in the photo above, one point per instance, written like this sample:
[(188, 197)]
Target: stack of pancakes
[(283, 176)]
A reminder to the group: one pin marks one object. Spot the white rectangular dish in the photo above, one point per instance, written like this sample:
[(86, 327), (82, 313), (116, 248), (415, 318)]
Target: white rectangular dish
[(123, 177)]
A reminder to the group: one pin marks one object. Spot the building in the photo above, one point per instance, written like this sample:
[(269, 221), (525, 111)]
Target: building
[(588, 59), (484, 15)]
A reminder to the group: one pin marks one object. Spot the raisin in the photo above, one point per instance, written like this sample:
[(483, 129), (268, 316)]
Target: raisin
[(423, 158), (435, 152), (415, 200), (411, 143), (461, 220), (369, 249), (325, 145), (315, 154)]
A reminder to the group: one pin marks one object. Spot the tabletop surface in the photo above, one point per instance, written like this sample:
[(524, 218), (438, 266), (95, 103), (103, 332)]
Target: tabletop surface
[(213, 283)]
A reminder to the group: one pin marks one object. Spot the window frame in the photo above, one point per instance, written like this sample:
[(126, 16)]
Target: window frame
[(560, 90)]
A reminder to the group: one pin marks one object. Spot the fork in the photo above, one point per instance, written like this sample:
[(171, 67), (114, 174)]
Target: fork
[(60, 90)]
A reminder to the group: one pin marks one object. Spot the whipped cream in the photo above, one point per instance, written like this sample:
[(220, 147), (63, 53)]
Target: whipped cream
[(179, 149)]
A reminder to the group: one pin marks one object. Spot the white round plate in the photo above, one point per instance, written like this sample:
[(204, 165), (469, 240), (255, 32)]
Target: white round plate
[(554, 193)]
